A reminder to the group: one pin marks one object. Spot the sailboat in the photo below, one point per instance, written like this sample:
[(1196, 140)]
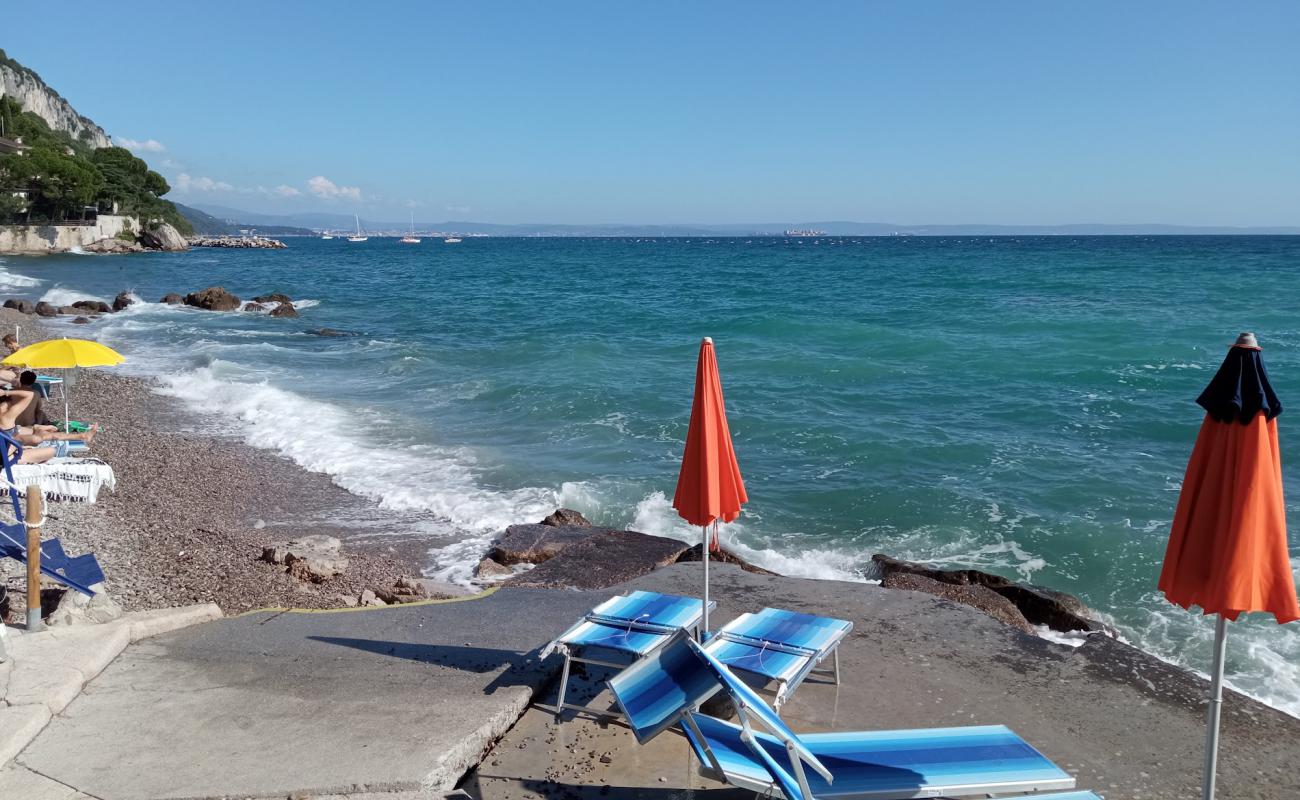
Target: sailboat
[(410, 237), (358, 237)]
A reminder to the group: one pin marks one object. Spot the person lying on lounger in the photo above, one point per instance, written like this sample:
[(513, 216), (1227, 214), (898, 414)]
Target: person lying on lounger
[(12, 404)]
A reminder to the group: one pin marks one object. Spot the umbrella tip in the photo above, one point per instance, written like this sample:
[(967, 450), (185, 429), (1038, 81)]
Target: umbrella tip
[(1246, 339), (708, 340)]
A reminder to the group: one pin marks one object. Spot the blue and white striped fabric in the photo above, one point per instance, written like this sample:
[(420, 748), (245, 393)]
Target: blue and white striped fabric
[(754, 705), (654, 692), (893, 764), (776, 643), (633, 624)]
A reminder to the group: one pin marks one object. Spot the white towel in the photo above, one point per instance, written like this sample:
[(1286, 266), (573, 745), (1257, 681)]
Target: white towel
[(66, 479)]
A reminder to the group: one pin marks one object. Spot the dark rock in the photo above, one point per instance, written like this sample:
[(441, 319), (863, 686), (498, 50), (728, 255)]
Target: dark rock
[(213, 298), (1040, 605), (172, 299), (81, 321), (328, 332), (122, 300), (602, 560), (274, 297), (25, 306), (251, 306), (566, 516), (98, 306), (70, 310), (533, 544), (44, 309), (973, 595), (284, 310), (726, 557)]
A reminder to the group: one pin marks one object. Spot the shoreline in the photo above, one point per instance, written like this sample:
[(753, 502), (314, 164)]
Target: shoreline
[(192, 512)]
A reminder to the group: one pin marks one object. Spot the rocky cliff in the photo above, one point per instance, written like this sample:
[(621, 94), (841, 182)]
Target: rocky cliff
[(27, 88)]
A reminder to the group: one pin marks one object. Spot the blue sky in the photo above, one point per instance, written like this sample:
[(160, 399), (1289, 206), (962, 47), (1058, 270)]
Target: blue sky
[(671, 112)]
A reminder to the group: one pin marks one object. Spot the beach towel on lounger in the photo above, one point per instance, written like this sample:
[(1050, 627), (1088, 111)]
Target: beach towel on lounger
[(76, 480)]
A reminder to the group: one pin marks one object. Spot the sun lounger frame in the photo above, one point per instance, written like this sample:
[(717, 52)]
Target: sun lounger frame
[(813, 657), (574, 651)]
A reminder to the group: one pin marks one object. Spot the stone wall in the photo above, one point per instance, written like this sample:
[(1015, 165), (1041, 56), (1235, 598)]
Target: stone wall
[(41, 239)]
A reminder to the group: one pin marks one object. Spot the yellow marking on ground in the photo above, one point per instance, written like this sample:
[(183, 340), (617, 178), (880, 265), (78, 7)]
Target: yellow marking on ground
[(432, 601)]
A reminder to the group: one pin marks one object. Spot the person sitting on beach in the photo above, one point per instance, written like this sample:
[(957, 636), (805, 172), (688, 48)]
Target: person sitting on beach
[(12, 404), (34, 428), (7, 374)]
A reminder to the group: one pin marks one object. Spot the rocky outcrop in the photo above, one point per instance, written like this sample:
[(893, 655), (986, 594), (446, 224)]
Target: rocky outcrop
[(35, 96), (284, 310), (44, 309), (1039, 605), (113, 246), (24, 306), (93, 306), (602, 560), (314, 558), (81, 321), (162, 236), (70, 311), (172, 299), (565, 516), (122, 300), (725, 556), (534, 544), (213, 298), (489, 570), (974, 595), (274, 297)]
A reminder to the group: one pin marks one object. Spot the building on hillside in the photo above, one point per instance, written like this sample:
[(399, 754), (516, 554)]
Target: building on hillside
[(14, 145)]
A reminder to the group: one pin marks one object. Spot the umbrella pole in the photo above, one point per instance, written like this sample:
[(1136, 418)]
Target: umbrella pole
[(705, 530), (1216, 706)]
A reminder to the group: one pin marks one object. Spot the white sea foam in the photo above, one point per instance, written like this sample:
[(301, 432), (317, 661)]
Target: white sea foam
[(12, 280), (63, 296)]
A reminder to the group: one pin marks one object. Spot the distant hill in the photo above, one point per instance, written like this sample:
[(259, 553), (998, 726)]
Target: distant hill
[(208, 225), (343, 222)]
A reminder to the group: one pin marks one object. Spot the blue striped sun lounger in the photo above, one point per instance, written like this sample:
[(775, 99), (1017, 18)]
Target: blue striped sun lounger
[(781, 646), (668, 686), (622, 630)]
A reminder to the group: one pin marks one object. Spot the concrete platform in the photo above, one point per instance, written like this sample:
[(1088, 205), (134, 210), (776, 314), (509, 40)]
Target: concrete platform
[(1127, 725), (400, 700)]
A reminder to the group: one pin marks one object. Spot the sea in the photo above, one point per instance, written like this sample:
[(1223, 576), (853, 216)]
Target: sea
[(1021, 405)]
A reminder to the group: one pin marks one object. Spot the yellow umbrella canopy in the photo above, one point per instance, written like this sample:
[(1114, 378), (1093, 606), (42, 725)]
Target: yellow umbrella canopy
[(64, 354)]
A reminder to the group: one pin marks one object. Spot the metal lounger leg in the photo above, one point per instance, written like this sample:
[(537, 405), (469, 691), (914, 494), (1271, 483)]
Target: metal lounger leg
[(836, 654), (564, 685)]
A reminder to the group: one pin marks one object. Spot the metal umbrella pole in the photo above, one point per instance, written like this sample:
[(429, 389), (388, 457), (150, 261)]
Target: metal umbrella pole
[(1216, 706), (704, 633)]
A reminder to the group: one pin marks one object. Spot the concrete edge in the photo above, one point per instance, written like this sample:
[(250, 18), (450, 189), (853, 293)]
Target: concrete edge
[(488, 592), (470, 752), (98, 646)]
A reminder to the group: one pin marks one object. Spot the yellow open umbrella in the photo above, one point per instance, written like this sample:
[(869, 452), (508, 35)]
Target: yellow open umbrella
[(64, 354)]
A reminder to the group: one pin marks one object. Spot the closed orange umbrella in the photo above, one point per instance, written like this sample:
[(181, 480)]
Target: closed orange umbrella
[(1227, 550), (709, 487)]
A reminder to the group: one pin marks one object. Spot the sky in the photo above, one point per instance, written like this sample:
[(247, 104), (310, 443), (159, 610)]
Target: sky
[(917, 112)]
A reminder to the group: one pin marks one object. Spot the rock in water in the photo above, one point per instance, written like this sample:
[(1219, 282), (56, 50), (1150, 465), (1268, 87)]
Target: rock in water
[(94, 306), (973, 595), (314, 558), (172, 299), (163, 237), (602, 560), (533, 544), (566, 516), (122, 300), (213, 298), (284, 310), (274, 297), (44, 309), (1040, 605), (489, 569), (81, 321), (328, 332), (25, 306)]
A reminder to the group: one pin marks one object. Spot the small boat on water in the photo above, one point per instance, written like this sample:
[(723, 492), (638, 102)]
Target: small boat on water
[(410, 238), (327, 235), (451, 240), (358, 237)]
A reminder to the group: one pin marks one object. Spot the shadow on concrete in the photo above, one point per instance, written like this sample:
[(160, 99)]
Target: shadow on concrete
[(478, 787), (521, 669)]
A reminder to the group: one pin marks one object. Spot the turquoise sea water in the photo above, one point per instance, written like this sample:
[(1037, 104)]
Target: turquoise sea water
[(1019, 405)]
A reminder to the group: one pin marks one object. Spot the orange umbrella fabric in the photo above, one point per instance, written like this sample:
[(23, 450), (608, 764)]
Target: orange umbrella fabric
[(709, 486), (1227, 551)]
